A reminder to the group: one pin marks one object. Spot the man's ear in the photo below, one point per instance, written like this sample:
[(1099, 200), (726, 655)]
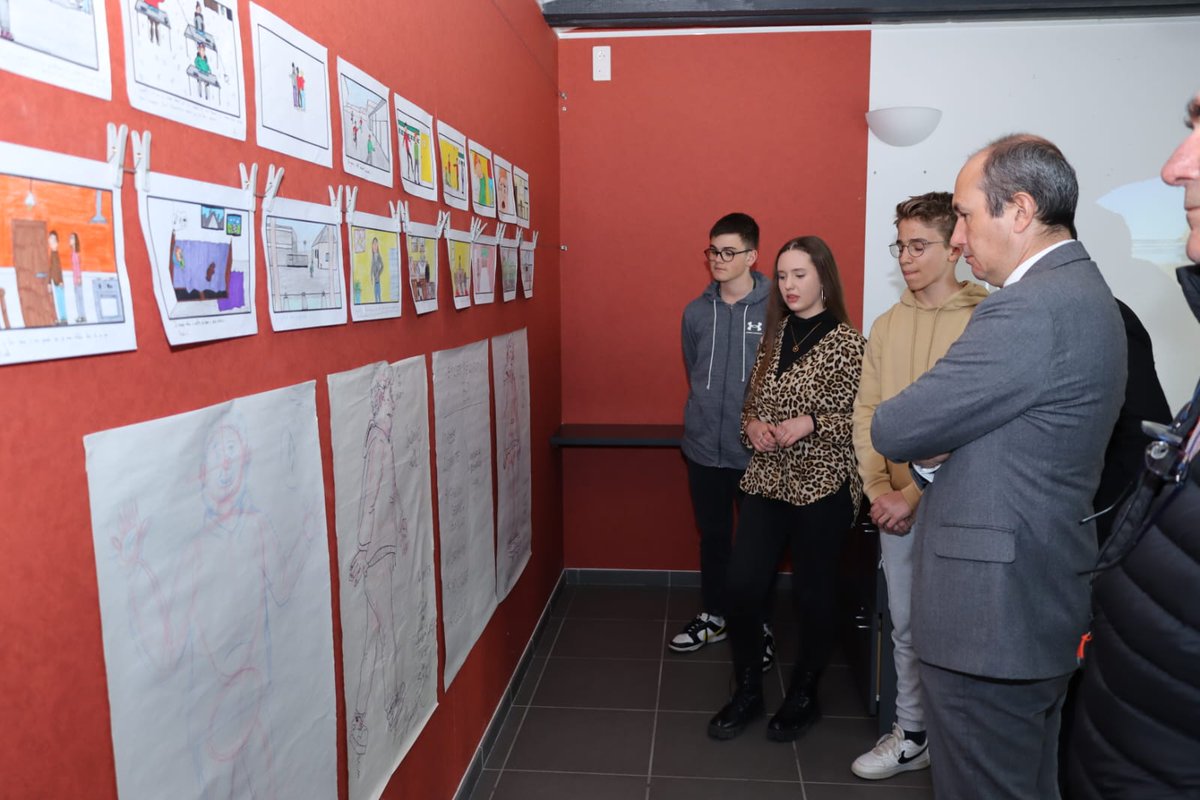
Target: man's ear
[(752, 258), (953, 253), (1026, 211)]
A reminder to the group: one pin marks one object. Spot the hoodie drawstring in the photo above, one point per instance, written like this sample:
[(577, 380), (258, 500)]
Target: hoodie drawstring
[(745, 311), (712, 353)]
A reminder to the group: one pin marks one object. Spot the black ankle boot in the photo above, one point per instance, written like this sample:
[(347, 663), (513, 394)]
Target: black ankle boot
[(799, 711), (744, 707)]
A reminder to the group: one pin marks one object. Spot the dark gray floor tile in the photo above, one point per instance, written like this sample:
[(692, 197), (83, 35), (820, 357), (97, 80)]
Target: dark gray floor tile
[(575, 740), (705, 686), (549, 633), (562, 603), (619, 602), (829, 748), (725, 789), (682, 749), (879, 790), (684, 602), (529, 682), (603, 638), (599, 683), (838, 692), (485, 784), (566, 785), (504, 739)]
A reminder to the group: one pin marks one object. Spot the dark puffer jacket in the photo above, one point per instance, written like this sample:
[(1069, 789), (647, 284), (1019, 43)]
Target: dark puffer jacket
[(1137, 728)]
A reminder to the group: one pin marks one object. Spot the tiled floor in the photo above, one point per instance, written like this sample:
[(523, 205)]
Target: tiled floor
[(605, 712)]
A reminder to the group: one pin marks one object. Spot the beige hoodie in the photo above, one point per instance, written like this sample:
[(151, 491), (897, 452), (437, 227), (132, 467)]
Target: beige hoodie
[(905, 342)]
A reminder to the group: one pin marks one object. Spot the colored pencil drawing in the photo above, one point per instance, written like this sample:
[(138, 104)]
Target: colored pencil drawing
[(460, 271), (483, 268), (304, 259), (202, 269), (366, 125), (506, 202), (292, 89), (508, 271), (521, 193), (510, 374), (58, 259), (422, 268), (61, 42), (452, 146), (374, 266), (414, 129), (184, 62), (483, 182)]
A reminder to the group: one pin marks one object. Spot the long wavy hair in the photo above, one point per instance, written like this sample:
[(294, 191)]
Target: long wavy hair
[(831, 285)]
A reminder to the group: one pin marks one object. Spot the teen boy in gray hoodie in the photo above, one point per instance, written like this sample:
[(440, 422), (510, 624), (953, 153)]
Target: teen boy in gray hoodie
[(721, 332)]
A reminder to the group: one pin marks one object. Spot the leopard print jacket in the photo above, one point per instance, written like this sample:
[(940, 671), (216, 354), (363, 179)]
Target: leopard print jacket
[(822, 383)]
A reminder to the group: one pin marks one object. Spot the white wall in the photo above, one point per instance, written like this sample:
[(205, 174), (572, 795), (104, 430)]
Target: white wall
[(1110, 94)]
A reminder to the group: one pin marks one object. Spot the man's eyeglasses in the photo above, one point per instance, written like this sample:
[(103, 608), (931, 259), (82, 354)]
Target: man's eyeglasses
[(725, 254), (916, 247)]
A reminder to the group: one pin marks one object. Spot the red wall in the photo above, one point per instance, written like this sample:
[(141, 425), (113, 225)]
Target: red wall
[(690, 128), (489, 68)]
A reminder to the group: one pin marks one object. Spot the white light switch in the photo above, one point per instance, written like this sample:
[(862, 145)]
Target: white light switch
[(602, 63)]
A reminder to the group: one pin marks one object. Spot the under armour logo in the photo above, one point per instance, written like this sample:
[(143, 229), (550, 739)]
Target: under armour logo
[(754, 327)]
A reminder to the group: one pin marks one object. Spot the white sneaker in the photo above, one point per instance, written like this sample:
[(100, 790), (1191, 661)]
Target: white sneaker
[(704, 629), (891, 755)]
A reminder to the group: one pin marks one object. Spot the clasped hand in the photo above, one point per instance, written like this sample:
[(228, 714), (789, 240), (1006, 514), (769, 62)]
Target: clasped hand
[(766, 438)]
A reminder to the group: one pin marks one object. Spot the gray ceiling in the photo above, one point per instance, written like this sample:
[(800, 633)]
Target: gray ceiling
[(732, 13)]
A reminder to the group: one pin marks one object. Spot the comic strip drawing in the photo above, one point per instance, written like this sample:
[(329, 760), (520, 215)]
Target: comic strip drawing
[(521, 193), (506, 202), (414, 128), (62, 42), (509, 261), (510, 373), (184, 62), (483, 183), (375, 266), (453, 148), (483, 263), (464, 470), (385, 543), (291, 74), (460, 271), (526, 270), (199, 609), (366, 125), (422, 269), (305, 264), (63, 285)]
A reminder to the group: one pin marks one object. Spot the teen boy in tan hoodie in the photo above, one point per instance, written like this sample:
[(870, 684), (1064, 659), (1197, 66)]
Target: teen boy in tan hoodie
[(905, 342)]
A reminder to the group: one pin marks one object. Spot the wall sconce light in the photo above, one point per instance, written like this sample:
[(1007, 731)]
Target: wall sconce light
[(903, 126)]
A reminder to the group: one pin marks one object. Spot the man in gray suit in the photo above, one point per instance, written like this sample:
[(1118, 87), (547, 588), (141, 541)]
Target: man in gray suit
[(1014, 418)]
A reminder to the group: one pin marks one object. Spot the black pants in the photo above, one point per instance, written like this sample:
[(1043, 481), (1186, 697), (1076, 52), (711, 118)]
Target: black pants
[(715, 494), (815, 533)]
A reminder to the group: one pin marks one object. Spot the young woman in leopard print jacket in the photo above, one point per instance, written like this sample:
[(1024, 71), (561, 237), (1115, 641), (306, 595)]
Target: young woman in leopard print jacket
[(802, 485)]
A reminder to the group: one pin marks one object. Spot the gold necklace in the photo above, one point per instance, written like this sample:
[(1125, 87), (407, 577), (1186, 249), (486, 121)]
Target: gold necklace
[(795, 344)]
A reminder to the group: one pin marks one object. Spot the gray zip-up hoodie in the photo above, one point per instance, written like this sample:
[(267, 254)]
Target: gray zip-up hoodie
[(719, 343)]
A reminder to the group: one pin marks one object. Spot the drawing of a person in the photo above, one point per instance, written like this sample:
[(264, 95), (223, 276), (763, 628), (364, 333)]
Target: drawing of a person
[(376, 268), (77, 276), (382, 532), (198, 19), (153, 16), (295, 89), (54, 280), (300, 86), (186, 629), (178, 269)]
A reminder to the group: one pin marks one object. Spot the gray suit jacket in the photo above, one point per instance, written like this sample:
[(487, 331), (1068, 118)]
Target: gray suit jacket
[(1024, 402)]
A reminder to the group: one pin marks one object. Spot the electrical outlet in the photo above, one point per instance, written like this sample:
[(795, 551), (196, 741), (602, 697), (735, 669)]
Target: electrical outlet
[(602, 63)]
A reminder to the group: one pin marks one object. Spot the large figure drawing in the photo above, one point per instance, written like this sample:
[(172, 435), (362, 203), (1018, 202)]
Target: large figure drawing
[(183, 623)]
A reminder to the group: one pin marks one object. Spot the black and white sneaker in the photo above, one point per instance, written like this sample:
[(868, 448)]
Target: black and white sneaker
[(768, 648), (892, 754), (704, 629)]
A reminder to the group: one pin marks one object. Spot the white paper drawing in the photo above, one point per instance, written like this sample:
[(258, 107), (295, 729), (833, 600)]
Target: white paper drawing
[(527, 250), (61, 43), (521, 194), (380, 428), (183, 61), (421, 240), (483, 180), (452, 150), (514, 498), (464, 477), (64, 288), (200, 240), (509, 260), (418, 161), (458, 253), (366, 125), (483, 266), (506, 197), (376, 261), (302, 242), (213, 574), (291, 90)]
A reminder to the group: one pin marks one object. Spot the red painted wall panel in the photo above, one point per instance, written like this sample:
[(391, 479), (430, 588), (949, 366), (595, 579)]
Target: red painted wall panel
[(489, 69), (690, 127)]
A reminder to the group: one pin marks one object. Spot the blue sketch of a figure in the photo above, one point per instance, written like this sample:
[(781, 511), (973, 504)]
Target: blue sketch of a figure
[(209, 626), (382, 534)]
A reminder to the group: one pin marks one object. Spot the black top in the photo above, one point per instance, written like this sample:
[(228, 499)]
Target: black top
[(800, 335)]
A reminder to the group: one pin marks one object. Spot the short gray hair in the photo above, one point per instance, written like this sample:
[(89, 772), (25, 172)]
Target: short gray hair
[(1022, 162)]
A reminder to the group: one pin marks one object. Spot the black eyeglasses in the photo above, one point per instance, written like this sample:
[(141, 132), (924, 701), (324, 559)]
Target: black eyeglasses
[(725, 254), (916, 247)]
